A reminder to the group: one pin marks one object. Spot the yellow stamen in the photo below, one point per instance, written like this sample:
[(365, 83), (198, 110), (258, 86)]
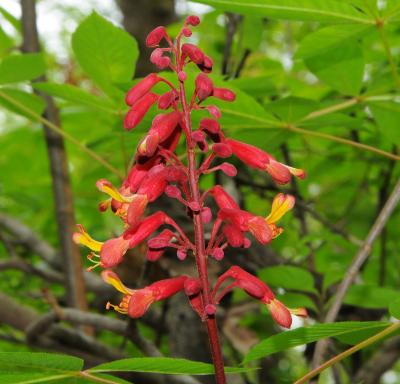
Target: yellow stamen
[(281, 204), (106, 187), (82, 237), (111, 278)]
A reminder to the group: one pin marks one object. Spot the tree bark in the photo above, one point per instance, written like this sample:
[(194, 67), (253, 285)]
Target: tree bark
[(139, 18)]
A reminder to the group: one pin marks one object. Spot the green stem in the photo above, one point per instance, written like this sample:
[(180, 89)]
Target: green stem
[(341, 140), (64, 134), (380, 26), (365, 343)]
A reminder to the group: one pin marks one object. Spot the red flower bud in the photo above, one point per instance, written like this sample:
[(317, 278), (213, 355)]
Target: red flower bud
[(141, 88), (138, 110), (228, 169), (164, 125), (181, 254), (214, 111), (193, 52), (223, 199), (154, 183), (162, 240), (192, 286), (155, 36), (207, 64), (206, 215), (218, 254), (173, 191), (182, 76), (148, 145), (222, 150), (159, 60), (186, 32), (192, 20), (224, 94), (204, 86), (233, 235), (167, 99)]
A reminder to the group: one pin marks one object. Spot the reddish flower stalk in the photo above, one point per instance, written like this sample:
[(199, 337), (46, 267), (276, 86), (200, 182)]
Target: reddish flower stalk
[(159, 170)]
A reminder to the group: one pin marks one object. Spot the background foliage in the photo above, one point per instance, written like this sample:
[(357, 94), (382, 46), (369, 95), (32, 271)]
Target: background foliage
[(317, 84)]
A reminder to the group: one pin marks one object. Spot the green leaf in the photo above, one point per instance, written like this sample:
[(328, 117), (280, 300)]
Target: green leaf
[(330, 38), (328, 11), (105, 52), (33, 102), (387, 116), (291, 109), (33, 361), (5, 43), (165, 365), (394, 308), (76, 95), (300, 336), (11, 19), (342, 69), (370, 296), (16, 68), (288, 277)]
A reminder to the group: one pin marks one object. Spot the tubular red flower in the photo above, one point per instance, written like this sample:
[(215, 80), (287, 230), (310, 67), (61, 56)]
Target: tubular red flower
[(145, 228), (249, 154), (223, 199), (155, 36), (167, 99), (136, 209), (224, 94), (136, 302), (222, 150), (193, 52), (259, 290), (138, 110), (113, 251), (203, 86), (141, 88)]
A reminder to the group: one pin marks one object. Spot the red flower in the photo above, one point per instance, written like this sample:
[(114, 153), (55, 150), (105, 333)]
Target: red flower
[(155, 36), (224, 94), (204, 86), (138, 110), (257, 158), (193, 52), (260, 291), (136, 302), (141, 88)]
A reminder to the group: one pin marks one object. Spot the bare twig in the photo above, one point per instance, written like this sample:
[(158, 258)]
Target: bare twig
[(59, 171), (355, 266)]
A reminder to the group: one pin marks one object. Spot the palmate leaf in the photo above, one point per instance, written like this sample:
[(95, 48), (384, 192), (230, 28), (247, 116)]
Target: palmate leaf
[(288, 277), (165, 365), (105, 52), (327, 11), (305, 335)]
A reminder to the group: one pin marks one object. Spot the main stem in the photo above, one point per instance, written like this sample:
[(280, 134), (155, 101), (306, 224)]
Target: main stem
[(200, 254)]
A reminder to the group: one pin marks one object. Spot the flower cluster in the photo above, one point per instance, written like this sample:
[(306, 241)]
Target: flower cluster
[(157, 170)]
